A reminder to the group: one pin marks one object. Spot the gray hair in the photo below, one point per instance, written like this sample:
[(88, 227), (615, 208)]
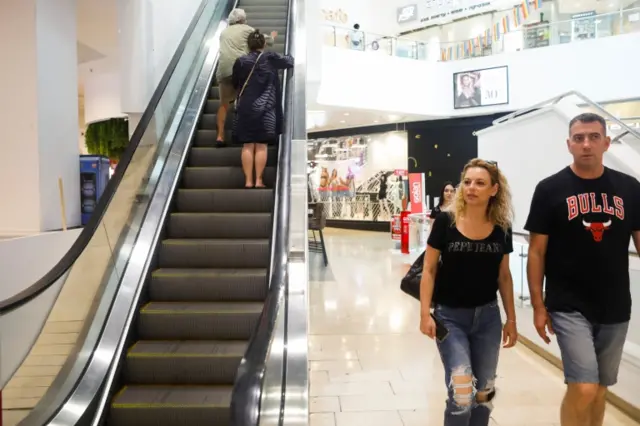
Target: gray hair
[(237, 16)]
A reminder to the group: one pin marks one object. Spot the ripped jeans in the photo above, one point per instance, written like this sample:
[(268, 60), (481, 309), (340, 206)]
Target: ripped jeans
[(470, 358)]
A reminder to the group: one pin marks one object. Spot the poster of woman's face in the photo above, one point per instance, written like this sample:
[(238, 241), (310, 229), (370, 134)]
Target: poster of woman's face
[(467, 90)]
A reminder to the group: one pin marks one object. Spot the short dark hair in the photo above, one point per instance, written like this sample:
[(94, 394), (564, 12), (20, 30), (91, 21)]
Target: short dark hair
[(589, 117), (256, 41), (356, 26)]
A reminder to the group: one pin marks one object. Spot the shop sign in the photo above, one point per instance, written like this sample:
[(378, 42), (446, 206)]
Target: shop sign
[(407, 13), (583, 15), (401, 172), (335, 16), (453, 9)]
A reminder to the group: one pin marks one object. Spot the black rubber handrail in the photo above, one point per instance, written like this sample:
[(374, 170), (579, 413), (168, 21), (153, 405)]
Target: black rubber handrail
[(14, 302), (248, 386)]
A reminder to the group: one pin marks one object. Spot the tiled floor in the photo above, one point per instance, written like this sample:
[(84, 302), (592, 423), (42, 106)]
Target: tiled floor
[(371, 366)]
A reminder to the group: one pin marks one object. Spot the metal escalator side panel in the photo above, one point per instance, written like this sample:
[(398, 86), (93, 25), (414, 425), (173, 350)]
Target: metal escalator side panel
[(119, 230)]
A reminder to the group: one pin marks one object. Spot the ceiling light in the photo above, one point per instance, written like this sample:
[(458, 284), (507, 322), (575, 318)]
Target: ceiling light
[(393, 117), (346, 113), (342, 121), (375, 121)]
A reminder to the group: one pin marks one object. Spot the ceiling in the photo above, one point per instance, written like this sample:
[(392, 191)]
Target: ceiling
[(324, 117), (97, 22)]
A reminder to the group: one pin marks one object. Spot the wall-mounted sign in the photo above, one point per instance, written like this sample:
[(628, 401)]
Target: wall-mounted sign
[(453, 8), (407, 13), (335, 16)]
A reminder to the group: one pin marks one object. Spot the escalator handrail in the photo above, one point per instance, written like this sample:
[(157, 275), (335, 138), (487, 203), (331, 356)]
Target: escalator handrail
[(248, 386), (69, 258)]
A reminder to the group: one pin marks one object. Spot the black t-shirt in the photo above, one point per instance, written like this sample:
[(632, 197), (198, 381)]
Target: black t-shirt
[(382, 192), (435, 212), (589, 224), (468, 272)]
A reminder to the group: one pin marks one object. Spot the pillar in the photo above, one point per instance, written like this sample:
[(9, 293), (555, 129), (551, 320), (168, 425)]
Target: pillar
[(38, 115)]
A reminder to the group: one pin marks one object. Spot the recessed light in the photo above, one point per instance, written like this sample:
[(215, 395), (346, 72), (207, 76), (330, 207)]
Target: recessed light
[(342, 121), (346, 113), (375, 121)]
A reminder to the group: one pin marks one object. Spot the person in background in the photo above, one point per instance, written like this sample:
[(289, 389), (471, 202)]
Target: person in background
[(355, 38), (259, 115), (466, 263), (580, 223), (233, 44), (446, 195)]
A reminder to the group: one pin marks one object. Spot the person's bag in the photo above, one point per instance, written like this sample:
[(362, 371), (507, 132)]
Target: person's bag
[(410, 284), (244, 86)]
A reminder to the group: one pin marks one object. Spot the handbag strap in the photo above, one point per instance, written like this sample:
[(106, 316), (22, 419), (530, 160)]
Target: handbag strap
[(250, 74)]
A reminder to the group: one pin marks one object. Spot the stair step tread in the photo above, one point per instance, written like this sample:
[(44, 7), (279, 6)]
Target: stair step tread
[(188, 349), (159, 396), (212, 241), (201, 308), (207, 272)]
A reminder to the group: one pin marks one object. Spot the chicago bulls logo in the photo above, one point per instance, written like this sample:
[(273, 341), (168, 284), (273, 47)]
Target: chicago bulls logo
[(597, 228)]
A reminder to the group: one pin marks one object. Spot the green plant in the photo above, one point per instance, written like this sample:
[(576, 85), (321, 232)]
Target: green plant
[(109, 137)]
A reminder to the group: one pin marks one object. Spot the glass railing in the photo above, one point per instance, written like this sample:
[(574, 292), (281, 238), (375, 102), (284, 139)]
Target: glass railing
[(45, 333), (528, 36), (626, 389)]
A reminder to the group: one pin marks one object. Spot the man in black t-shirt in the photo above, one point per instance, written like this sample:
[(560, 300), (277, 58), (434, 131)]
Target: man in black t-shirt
[(581, 222)]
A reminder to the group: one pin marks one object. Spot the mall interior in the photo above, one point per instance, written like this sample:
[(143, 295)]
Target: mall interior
[(144, 285)]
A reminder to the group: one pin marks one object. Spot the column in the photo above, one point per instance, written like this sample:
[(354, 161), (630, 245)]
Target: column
[(38, 115)]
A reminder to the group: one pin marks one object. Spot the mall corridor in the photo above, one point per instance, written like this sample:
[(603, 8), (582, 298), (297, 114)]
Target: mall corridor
[(371, 366)]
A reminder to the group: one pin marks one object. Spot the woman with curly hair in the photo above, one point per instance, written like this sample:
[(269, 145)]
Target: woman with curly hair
[(466, 264)]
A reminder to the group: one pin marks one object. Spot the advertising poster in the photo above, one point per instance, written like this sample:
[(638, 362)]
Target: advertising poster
[(483, 87)]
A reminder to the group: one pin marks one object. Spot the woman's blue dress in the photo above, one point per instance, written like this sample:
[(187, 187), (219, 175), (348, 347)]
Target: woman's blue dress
[(259, 113)]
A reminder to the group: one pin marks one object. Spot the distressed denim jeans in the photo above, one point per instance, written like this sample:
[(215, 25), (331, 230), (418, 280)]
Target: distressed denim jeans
[(469, 354)]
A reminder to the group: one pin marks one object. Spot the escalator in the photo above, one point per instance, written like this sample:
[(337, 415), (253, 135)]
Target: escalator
[(188, 268), (204, 299)]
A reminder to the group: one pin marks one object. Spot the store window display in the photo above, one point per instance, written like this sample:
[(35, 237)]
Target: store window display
[(358, 177)]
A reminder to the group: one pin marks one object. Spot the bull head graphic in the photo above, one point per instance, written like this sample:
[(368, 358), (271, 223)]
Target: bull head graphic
[(597, 228)]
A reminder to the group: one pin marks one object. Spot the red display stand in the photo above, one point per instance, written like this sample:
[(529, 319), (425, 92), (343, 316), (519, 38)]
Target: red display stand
[(396, 229), (404, 236)]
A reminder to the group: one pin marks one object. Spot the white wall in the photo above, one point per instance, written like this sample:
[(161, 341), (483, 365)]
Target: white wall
[(150, 31), (38, 115), (25, 260), (379, 82), (101, 91)]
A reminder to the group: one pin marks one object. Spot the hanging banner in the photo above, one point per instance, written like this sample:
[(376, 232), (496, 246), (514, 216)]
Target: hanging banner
[(416, 191)]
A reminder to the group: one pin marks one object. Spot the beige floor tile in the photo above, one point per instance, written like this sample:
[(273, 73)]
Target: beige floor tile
[(13, 417), (350, 388), (324, 404), (370, 365), (385, 418), (322, 419)]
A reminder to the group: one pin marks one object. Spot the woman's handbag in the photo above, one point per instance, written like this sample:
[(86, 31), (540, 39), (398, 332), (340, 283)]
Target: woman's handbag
[(244, 86), (410, 284)]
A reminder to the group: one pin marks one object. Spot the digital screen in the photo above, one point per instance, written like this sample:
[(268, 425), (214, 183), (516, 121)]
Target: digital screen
[(480, 88)]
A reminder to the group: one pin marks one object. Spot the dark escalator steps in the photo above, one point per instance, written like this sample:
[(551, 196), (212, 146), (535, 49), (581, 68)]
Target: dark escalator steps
[(203, 156), (214, 253), (222, 177), (198, 320), (225, 200), (220, 225), (180, 362), (208, 285), (172, 406)]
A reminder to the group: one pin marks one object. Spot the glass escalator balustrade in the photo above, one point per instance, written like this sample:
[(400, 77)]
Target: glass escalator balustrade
[(206, 294)]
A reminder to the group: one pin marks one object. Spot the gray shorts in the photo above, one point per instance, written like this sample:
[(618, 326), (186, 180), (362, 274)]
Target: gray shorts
[(591, 353)]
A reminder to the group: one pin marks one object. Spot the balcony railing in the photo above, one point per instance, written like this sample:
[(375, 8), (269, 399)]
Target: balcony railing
[(528, 36)]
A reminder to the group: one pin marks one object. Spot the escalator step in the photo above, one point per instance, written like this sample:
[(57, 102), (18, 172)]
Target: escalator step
[(214, 92), (172, 406), (264, 3), (207, 138), (229, 156), (198, 320), (268, 25), (212, 105), (219, 253), (222, 178), (208, 285), (184, 362), (225, 200), (219, 225), (208, 121), (261, 11)]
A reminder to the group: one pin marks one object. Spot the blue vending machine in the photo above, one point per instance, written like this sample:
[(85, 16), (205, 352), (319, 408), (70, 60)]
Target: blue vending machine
[(94, 175)]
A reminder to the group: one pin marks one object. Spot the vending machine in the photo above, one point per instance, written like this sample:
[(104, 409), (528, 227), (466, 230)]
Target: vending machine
[(94, 176)]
